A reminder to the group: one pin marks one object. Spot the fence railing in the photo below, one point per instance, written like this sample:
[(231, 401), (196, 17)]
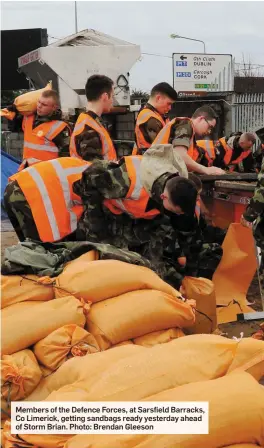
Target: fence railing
[(248, 112)]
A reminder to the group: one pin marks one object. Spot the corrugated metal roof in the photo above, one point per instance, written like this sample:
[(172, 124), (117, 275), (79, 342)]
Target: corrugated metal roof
[(88, 38)]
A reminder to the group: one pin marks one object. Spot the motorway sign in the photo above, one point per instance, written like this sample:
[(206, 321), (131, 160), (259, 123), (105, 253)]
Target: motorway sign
[(200, 72)]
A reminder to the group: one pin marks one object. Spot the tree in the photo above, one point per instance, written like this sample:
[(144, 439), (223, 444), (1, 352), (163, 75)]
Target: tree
[(8, 96), (138, 94), (248, 69)]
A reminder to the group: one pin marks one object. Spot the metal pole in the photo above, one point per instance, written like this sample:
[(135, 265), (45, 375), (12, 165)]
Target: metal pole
[(175, 36), (76, 24)]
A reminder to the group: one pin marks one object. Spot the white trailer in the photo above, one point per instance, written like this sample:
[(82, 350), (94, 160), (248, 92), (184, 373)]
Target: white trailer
[(70, 61)]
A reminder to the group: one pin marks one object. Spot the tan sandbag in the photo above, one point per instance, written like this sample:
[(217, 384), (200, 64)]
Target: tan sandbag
[(15, 288), (24, 324), (135, 314), (20, 375), (229, 424), (202, 291), (159, 337), (63, 343), (103, 279), (26, 104), (181, 361), (87, 367), (13, 441), (249, 357), (7, 114)]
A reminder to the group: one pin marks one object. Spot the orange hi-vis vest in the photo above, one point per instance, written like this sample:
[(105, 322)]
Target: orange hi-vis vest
[(38, 144), (47, 187), (136, 200), (108, 149), (229, 153), (164, 136), (209, 147), (143, 116)]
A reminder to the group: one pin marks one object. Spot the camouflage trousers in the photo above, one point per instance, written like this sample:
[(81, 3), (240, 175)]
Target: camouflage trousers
[(258, 232), (204, 261), (19, 212)]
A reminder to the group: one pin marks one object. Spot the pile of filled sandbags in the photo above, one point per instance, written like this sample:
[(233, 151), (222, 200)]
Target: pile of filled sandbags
[(107, 330)]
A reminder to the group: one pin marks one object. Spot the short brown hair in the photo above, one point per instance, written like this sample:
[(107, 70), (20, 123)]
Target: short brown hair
[(249, 136), (51, 94), (206, 112)]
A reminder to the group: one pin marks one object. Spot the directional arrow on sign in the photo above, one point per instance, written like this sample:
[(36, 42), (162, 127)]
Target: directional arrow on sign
[(183, 57)]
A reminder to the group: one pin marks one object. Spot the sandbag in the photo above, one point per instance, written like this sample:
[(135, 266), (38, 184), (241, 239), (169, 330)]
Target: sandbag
[(181, 361), (20, 374), (76, 369), (26, 104), (26, 323), (15, 288), (135, 314), (63, 343), (159, 337), (104, 279), (228, 422), (249, 357), (202, 291)]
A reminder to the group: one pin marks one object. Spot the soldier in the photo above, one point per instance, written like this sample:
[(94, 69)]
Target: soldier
[(198, 248), (234, 153), (90, 139), (110, 203), (151, 118), (46, 136), (253, 218), (181, 133)]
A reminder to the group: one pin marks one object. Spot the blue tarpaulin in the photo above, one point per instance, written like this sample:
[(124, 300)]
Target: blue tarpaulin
[(9, 166)]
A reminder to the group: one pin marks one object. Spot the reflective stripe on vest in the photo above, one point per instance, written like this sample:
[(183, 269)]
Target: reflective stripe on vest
[(228, 150), (135, 202), (54, 205), (108, 148), (38, 144), (143, 116)]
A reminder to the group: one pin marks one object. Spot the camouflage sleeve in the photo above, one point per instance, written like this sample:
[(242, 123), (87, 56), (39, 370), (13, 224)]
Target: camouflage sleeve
[(102, 180), (150, 129), (89, 145), (181, 133), (62, 141), (256, 205)]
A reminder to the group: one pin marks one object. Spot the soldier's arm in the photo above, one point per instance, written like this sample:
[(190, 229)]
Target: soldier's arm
[(256, 205), (62, 141), (150, 129), (89, 145), (102, 180), (181, 139)]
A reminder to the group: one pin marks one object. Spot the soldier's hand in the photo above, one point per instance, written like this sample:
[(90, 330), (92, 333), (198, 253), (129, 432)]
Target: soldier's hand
[(245, 223), (213, 170), (181, 261)]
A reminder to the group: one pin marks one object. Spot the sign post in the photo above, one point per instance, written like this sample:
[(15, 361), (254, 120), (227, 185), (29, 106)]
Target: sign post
[(197, 74)]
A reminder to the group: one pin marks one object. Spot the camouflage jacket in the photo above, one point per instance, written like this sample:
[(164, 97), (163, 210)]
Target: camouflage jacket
[(151, 127), (255, 209), (110, 180), (88, 143)]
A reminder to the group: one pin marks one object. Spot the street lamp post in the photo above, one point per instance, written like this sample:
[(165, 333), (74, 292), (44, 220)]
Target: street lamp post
[(76, 23), (176, 36)]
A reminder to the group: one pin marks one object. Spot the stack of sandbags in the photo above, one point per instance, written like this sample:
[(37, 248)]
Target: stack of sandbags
[(16, 288), (236, 415), (128, 302), (130, 371)]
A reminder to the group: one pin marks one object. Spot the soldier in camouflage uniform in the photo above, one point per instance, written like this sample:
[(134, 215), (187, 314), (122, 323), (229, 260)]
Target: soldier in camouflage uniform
[(253, 218)]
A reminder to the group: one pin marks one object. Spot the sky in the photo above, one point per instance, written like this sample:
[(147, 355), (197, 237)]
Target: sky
[(226, 27)]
